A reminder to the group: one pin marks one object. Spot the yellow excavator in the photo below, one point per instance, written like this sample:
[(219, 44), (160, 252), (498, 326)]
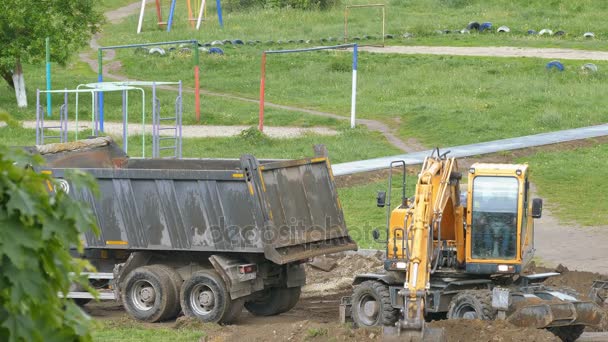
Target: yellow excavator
[(460, 254)]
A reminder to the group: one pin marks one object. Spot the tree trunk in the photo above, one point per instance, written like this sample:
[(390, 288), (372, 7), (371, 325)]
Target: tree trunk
[(19, 83), (8, 77)]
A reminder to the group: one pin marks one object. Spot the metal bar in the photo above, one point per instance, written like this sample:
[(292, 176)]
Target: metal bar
[(171, 13), (141, 15), (48, 76), (262, 93), (341, 46), (38, 117), (179, 117), (200, 15), (168, 148), (100, 79), (127, 46), (353, 103), (166, 128), (124, 120), (154, 155), (165, 119), (166, 138), (219, 13)]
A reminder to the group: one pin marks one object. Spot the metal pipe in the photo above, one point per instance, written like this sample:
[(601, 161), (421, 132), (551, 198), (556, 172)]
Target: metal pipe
[(48, 76), (171, 12), (38, 116), (219, 13), (141, 16), (353, 103), (262, 93)]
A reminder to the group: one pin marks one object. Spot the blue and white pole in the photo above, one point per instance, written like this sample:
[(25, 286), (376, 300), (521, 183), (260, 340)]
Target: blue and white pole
[(353, 103)]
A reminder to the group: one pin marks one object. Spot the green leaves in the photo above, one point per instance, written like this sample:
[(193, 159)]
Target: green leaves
[(37, 230)]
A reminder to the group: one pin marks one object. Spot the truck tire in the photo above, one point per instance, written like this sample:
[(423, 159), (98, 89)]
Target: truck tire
[(177, 281), (472, 304), (204, 296), (371, 305), (74, 287), (568, 333), (149, 294), (274, 301), (291, 296)]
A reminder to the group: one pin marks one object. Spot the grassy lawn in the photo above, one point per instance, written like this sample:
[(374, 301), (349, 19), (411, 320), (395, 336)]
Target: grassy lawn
[(214, 110), (572, 181), (146, 334), (349, 145), (440, 100), (420, 17)]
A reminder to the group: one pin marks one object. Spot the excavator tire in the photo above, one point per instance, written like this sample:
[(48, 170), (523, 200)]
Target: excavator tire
[(371, 305), (472, 304), (568, 333)]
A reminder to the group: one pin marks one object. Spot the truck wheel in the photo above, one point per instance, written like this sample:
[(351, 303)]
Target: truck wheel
[(474, 304), (291, 296), (568, 333), (274, 301), (177, 281), (205, 297), (149, 294), (371, 305), (74, 287)]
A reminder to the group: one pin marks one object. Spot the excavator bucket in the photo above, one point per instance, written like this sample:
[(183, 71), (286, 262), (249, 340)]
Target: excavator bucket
[(598, 292), (394, 334), (548, 314)]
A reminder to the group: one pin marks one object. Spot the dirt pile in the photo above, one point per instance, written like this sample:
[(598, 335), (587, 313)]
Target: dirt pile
[(296, 332), (340, 278), (490, 331)]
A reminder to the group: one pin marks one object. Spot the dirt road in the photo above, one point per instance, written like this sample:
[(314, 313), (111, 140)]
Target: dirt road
[(493, 51)]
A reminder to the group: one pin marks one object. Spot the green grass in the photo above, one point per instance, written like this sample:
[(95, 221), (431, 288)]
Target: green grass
[(214, 110), (572, 182), (360, 210), (440, 100), (147, 334), (349, 145), (420, 17)]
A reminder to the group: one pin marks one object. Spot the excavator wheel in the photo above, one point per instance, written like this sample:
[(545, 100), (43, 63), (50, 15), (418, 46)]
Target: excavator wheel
[(568, 333), (371, 305), (472, 304)]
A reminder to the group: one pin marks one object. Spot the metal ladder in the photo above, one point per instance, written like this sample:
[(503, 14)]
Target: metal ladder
[(63, 123), (173, 124)]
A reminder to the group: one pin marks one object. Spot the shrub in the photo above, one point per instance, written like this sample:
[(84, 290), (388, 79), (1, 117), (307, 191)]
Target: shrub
[(37, 227)]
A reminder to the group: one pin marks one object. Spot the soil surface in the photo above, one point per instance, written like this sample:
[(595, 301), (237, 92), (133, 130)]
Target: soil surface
[(492, 51), (315, 317), (193, 131)]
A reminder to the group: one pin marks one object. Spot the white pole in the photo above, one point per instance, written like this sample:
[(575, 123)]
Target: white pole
[(141, 16), (353, 103), (200, 15)]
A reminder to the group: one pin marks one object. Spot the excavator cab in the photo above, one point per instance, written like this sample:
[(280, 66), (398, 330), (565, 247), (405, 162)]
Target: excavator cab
[(499, 218)]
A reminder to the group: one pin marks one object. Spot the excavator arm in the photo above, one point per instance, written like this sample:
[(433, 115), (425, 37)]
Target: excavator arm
[(436, 192)]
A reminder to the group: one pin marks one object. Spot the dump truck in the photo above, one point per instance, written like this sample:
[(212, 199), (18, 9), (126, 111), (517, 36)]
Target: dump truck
[(203, 236), (461, 254)]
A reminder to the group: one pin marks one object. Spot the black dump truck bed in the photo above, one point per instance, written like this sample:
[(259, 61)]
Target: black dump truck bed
[(287, 209)]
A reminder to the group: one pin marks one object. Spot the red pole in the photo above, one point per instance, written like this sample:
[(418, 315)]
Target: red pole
[(197, 94), (262, 90), (159, 14)]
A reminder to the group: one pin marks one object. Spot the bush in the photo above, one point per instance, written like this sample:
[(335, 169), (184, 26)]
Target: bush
[(37, 228)]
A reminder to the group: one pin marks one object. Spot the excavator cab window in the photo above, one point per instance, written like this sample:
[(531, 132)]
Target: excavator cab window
[(494, 224)]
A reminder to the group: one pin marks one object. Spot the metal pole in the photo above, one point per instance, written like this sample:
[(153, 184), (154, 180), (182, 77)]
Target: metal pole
[(200, 15), (262, 91), (219, 13), (154, 120), (124, 120), (100, 94), (171, 12), (48, 77), (64, 124), (179, 153), (141, 16), (353, 102), (38, 116), (197, 83), (345, 24)]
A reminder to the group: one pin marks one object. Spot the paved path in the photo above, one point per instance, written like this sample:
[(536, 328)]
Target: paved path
[(475, 149), (492, 51), (191, 131)]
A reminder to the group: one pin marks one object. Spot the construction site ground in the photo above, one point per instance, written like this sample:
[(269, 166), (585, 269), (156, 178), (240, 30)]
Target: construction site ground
[(316, 316)]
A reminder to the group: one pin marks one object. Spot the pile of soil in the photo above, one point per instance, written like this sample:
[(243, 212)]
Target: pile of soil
[(490, 331), (299, 331), (341, 277)]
